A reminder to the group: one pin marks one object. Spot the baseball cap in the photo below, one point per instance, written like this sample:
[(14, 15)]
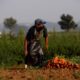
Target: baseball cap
[(38, 21)]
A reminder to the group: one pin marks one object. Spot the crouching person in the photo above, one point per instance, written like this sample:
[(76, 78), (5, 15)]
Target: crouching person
[(32, 46)]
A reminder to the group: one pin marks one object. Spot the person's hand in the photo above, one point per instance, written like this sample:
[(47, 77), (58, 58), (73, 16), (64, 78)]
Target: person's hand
[(45, 50), (46, 46), (26, 52)]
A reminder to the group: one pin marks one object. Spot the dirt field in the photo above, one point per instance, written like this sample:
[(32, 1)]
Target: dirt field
[(39, 74)]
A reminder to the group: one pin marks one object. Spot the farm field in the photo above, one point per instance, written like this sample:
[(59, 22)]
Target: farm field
[(39, 74), (63, 44)]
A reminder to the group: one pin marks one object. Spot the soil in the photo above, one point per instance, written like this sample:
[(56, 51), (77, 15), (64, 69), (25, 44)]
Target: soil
[(19, 73)]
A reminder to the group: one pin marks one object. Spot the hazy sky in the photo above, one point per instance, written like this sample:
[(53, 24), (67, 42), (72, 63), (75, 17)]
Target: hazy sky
[(29, 10)]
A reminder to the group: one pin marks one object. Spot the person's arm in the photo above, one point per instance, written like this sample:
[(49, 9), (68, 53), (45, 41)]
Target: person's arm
[(45, 34), (25, 47), (46, 42), (25, 51), (26, 41)]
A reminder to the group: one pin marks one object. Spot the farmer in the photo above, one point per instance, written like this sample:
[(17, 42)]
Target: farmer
[(32, 47)]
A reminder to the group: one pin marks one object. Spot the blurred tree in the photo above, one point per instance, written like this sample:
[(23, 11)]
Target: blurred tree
[(9, 22), (67, 22)]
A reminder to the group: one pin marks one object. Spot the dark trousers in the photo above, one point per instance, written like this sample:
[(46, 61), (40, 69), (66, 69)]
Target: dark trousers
[(34, 60)]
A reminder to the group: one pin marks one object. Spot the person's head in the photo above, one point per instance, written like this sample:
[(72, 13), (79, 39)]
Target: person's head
[(39, 24)]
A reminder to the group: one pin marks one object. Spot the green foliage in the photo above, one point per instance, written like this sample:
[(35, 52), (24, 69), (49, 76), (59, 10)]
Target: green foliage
[(75, 59), (67, 22), (9, 22), (76, 75), (64, 44), (11, 50)]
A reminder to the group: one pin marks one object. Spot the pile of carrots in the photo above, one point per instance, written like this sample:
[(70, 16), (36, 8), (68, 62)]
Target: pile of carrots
[(61, 63)]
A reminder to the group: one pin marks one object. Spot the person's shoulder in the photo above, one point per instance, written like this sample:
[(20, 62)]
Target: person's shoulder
[(45, 32), (31, 28), (45, 28), (30, 32)]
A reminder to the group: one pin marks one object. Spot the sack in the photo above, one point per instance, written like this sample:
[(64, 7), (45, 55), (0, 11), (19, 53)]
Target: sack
[(35, 48), (36, 53)]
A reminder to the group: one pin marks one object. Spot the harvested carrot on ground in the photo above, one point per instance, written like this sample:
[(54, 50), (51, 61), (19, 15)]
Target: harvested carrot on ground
[(61, 63)]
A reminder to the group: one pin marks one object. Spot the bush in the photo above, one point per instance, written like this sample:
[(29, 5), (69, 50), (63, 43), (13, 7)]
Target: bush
[(65, 43), (11, 49)]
